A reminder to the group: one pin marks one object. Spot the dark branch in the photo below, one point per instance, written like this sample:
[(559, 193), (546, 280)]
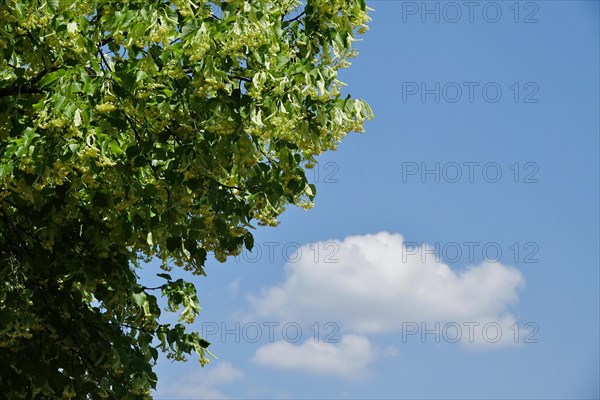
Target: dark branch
[(105, 41), (154, 288), (29, 87), (104, 59), (296, 18), (241, 78)]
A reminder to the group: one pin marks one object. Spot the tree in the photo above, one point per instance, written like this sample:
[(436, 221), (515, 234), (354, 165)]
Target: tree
[(132, 130)]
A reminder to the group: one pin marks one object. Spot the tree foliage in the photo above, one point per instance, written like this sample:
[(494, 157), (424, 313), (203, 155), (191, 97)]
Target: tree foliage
[(132, 130)]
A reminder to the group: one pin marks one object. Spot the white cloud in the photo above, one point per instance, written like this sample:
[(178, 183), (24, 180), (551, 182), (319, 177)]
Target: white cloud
[(347, 359), (391, 352), (203, 383), (376, 286), (234, 287)]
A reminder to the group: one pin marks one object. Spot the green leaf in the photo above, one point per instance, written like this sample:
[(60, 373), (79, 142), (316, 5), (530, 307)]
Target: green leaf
[(149, 239), (200, 256), (132, 151), (311, 190), (54, 4), (139, 298), (173, 243), (249, 241), (51, 77), (188, 29), (282, 61), (165, 276), (115, 147), (140, 76), (153, 353)]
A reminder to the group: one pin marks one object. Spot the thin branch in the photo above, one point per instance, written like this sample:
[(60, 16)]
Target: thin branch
[(241, 78), (272, 161), (296, 18), (135, 131), (104, 59), (105, 41), (29, 87), (153, 288), (227, 186)]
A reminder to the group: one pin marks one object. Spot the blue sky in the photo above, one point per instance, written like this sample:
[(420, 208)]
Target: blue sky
[(407, 213)]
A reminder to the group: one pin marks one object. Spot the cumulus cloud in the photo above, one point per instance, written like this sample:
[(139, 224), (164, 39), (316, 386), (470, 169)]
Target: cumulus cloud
[(202, 384), (234, 287), (374, 284), (347, 359), (391, 352)]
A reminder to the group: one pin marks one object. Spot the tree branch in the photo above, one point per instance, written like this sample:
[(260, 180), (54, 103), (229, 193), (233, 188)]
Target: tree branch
[(29, 87), (241, 78), (104, 59), (296, 18), (105, 41)]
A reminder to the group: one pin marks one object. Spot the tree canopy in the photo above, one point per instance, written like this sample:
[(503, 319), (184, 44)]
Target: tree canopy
[(138, 130)]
